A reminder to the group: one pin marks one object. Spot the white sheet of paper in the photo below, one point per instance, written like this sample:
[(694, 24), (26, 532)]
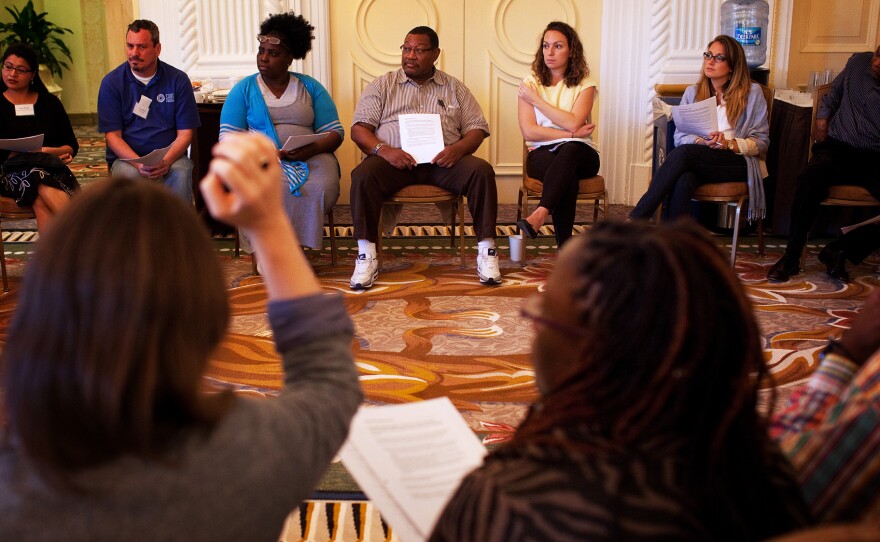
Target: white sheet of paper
[(23, 144), (698, 118), (421, 136), (295, 142), (150, 159), (847, 229), (409, 459)]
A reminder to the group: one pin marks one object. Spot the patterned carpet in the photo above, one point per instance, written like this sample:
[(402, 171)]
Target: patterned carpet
[(429, 329)]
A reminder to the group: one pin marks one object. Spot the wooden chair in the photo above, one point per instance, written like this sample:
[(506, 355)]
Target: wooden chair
[(591, 189), (9, 210), (736, 193), (426, 193), (843, 195)]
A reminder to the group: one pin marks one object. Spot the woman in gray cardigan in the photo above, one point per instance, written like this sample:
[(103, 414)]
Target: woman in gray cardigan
[(734, 153), (111, 434)]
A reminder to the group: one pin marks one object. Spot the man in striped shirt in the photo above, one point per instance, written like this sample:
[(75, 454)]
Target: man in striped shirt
[(419, 87), (847, 151), (830, 429)]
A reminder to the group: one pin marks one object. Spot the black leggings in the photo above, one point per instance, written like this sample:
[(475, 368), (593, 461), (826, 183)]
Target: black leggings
[(686, 168), (560, 170)]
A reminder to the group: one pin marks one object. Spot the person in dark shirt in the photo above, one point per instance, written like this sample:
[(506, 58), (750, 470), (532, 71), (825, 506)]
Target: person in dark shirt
[(648, 360), (847, 151)]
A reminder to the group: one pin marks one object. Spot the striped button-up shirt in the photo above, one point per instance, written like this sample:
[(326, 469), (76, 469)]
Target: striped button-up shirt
[(853, 104), (830, 431), (396, 94)]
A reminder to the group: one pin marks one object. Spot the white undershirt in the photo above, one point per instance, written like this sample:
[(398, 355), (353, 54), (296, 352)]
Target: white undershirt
[(144, 80)]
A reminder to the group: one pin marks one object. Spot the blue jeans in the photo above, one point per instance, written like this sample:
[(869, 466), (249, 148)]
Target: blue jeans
[(178, 179)]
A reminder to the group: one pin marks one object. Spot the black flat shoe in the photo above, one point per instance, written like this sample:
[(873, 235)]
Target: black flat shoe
[(526, 228), (835, 263), (783, 269)]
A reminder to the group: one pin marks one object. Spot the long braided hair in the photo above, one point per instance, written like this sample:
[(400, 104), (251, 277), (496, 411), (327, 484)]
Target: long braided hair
[(671, 346)]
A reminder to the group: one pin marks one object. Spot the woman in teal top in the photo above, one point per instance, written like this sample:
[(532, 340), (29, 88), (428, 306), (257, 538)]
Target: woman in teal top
[(279, 103)]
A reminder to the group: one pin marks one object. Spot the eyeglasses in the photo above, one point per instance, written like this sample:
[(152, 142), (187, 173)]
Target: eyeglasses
[(718, 58), (531, 309), (270, 39), (19, 71), (419, 52)]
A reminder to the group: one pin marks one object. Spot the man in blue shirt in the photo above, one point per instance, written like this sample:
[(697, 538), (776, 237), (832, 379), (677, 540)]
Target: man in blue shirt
[(847, 151), (144, 105)]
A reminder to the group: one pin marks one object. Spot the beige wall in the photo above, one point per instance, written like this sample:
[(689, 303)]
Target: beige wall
[(88, 45), (487, 45), (824, 34)]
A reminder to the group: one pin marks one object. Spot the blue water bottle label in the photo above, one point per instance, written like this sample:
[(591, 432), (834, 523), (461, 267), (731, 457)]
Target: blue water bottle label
[(748, 35)]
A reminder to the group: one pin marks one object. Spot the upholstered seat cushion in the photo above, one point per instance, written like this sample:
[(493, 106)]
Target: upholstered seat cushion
[(10, 210), (851, 193), (423, 191), (721, 190)]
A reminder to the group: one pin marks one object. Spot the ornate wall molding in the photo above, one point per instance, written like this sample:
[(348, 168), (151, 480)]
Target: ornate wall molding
[(215, 38)]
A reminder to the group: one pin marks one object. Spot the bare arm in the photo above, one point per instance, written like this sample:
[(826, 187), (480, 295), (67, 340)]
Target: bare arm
[(118, 145), (364, 135), (64, 152), (570, 121)]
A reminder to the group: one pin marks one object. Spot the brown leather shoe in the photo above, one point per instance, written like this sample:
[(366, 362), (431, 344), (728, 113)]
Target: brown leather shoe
[(783, 269)]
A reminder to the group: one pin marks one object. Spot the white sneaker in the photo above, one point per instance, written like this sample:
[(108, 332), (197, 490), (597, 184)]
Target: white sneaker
[(487, 266), (366, 270)]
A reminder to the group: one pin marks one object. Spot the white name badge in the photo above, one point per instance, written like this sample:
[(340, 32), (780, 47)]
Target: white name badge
[(142, 108), (24, 110)]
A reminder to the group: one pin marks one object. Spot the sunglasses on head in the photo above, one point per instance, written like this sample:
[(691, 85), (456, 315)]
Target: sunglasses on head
[(270, 39), (718, 58)]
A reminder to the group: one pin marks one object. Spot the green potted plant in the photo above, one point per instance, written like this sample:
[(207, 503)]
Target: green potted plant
[(30, 27)]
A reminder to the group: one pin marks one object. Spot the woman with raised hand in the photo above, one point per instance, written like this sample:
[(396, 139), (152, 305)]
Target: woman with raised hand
[(648, 362), (39, 179), (554, 116), (280, 103), (733, 153), (111, 433)]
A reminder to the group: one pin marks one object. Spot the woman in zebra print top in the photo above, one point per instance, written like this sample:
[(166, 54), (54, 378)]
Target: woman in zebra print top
[(648, 360)]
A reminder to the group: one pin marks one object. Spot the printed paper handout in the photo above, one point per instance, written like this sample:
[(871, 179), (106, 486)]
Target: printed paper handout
[(409, 459), (297, 141), (23, 144), (421, 136), (150, 159), (700, 118)]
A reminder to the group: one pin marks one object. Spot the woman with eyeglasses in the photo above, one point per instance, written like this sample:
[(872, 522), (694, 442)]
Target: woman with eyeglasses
[(733, 153), (40, 179), (554, 117), (280, 103), (648, 362)]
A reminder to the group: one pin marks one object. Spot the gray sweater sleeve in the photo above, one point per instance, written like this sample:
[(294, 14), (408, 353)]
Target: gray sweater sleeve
[(268, 454)]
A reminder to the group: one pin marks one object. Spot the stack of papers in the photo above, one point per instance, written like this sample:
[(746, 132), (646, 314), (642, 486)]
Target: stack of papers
[(219, 96)]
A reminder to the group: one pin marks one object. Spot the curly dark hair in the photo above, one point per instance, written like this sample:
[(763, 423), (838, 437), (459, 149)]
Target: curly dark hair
[(294, 30), (577, 67)]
